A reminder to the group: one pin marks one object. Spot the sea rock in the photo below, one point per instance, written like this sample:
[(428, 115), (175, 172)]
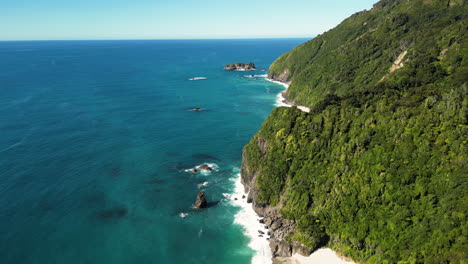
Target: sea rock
[(196, 109), (193, 170), (240, 67), (205, 167), (200, 201)]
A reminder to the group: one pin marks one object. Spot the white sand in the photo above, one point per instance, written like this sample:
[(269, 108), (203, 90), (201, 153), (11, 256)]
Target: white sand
[(247, 218), (321, 256)]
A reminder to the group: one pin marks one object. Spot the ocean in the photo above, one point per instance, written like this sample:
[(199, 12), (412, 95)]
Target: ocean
[(96, 138)]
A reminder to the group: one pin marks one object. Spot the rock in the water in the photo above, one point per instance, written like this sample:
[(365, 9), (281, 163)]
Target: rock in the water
[(193, 170), (261, 232), (243, 196), (205, 167), (196, 109), (240, 67), (200, 202)]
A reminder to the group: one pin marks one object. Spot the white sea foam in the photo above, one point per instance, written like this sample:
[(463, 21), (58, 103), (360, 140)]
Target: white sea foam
[(213, 166), (281, 101), (258, 76), (183, 215), (197, 78), (203, 184), (249, 220)]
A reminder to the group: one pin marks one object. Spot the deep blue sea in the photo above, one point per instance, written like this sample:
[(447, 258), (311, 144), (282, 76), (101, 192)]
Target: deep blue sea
[(95, 138)]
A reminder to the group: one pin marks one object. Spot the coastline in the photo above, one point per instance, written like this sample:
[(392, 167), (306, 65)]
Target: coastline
[(249, 220), (320, 256), (282, 101)]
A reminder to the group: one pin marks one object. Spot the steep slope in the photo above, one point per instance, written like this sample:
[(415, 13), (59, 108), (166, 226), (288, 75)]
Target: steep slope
[(378, 169)]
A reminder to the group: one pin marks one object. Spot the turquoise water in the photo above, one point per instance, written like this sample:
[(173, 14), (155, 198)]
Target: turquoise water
[(95, 137)]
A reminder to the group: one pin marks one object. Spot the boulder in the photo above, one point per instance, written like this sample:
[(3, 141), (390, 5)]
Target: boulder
[(205, 167), (200, 201)]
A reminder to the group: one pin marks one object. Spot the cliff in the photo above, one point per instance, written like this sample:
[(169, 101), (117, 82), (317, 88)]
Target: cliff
[(378, 170)]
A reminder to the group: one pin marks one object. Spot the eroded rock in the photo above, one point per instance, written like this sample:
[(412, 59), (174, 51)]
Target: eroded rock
[(200, 201)]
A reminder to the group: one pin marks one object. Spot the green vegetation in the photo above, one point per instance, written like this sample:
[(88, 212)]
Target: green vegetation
[(379, 168)]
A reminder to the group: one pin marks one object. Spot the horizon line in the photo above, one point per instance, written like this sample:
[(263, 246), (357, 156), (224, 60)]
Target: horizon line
[(121, 39)]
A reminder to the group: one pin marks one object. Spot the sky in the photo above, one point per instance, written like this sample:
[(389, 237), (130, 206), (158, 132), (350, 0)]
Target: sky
[(171, 19)]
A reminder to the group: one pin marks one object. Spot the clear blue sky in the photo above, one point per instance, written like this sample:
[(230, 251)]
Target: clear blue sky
[(171, 19)]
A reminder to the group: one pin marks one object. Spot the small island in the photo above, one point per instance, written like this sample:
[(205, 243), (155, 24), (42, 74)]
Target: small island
[(240, 67)]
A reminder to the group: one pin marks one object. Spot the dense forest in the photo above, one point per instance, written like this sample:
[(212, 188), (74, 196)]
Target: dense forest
[(378, 170)]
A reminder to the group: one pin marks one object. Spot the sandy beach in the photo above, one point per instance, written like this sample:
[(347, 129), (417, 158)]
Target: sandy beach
[(320, 256)]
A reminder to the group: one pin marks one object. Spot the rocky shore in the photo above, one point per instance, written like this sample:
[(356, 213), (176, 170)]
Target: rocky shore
[(278, 228)]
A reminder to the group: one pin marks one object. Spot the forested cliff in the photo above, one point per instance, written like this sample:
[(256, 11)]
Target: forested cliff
[(378, 169)]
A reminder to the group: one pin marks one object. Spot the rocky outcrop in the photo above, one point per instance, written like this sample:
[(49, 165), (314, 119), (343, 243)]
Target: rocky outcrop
[(200, 201), (205, 167), (284, 77), (240, 67)]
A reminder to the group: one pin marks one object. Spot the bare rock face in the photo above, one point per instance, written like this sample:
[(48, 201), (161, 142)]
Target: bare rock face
[(284, 77), (280, 248), (200, 202), (240, 67)]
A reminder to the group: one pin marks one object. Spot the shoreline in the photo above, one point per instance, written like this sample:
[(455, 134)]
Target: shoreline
[(249, 220), (282, 101)]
